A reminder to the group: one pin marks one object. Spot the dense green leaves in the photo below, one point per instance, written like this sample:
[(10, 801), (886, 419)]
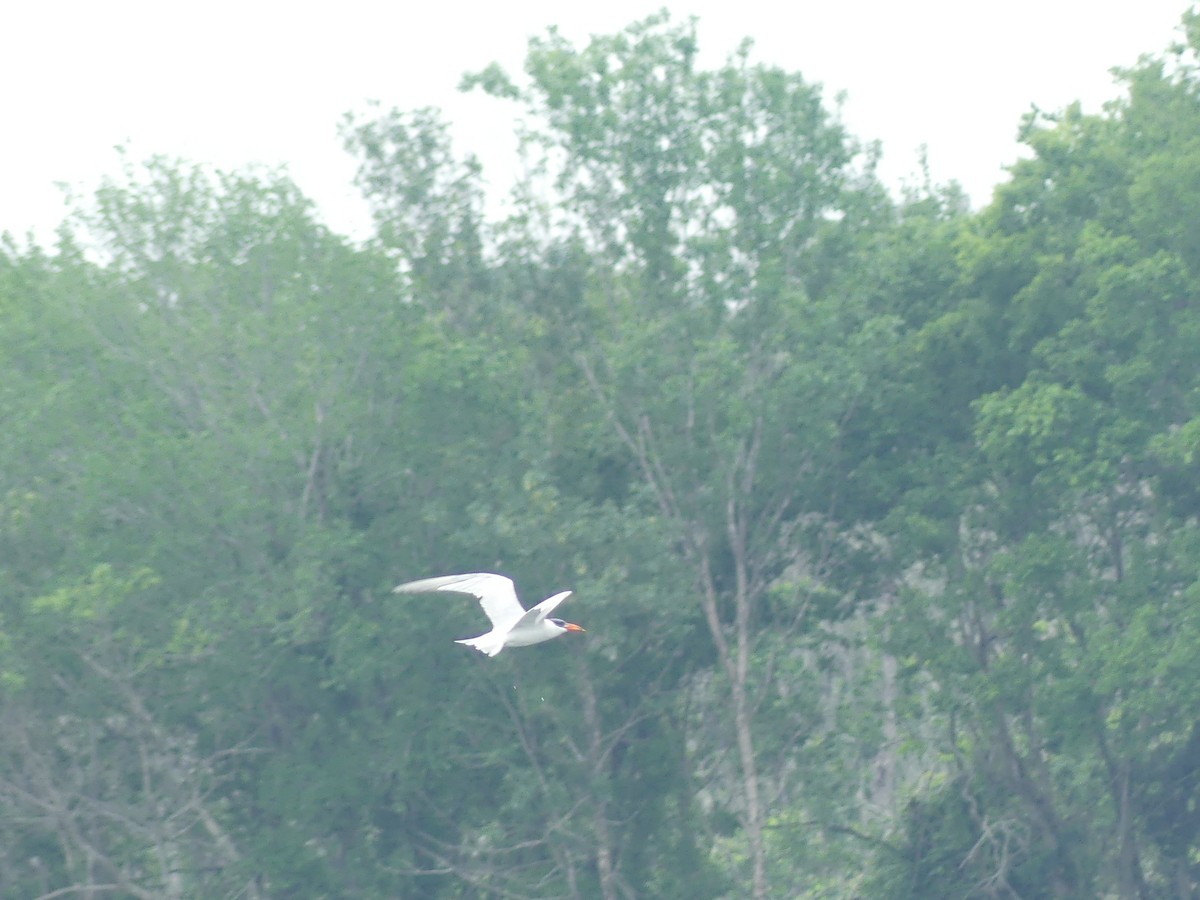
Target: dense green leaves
[(1061, 621), (881, 517)]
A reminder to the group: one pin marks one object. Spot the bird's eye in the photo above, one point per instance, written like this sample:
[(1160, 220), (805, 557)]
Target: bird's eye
[(559, 622)]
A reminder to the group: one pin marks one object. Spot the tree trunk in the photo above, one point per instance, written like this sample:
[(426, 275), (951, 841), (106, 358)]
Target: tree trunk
[(598, 758), (736, 666)]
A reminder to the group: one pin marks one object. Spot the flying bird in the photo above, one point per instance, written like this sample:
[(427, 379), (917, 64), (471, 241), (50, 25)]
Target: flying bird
[(512, 625)]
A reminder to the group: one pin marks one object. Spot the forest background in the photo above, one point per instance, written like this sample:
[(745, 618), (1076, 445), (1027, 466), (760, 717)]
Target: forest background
[(883, 516)]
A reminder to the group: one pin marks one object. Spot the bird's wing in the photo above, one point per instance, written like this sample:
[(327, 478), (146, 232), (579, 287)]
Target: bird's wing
[(543, 609), (496, 594)]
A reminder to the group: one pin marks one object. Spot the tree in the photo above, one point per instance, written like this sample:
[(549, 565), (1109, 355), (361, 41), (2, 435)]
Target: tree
[(713, 204), (111, 796), (881, 516), (1042, 630)]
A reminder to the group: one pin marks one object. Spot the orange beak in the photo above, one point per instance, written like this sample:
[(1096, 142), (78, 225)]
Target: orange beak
[(570, 627)]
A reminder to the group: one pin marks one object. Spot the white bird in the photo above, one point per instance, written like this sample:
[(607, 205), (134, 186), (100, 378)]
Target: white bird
[(512, 625)]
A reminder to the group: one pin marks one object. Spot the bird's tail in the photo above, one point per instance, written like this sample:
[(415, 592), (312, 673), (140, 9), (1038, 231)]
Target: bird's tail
[(490, 643)]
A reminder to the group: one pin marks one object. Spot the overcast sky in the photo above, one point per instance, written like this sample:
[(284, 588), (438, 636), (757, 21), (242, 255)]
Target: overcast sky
[(231, 83)]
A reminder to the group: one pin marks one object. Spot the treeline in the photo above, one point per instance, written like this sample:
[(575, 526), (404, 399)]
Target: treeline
[(883, 516)]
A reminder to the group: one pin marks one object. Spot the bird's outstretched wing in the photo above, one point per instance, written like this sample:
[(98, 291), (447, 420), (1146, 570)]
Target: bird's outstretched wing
[(496, 594), (543, 609)]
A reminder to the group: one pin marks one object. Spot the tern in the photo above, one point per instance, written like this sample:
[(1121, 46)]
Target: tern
[(512, 624)]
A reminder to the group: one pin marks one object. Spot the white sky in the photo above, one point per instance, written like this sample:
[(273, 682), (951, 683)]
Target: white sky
[(230, 83)]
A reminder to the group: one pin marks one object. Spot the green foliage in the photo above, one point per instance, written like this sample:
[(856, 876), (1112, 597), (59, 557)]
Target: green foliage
[(1057, 637), (881, 517)]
